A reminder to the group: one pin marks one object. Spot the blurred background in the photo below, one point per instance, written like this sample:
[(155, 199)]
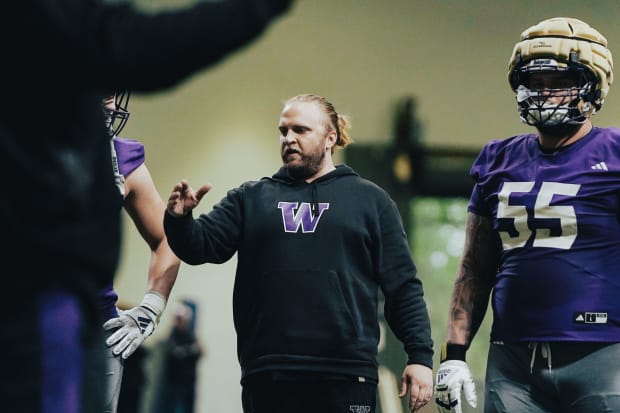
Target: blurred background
[(424, 84)]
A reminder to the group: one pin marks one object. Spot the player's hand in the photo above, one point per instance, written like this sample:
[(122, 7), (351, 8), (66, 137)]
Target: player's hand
[(183, 198), (135, 325), (417, 380), (452, 377)]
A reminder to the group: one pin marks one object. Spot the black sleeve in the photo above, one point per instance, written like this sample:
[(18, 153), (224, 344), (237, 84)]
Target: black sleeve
[(113, 46), (158, 50), (212, 237), (405, 308), (184, 238)]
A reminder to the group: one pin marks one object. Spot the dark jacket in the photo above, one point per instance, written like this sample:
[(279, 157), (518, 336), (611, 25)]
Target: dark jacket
[(311, 258), (59, 58)]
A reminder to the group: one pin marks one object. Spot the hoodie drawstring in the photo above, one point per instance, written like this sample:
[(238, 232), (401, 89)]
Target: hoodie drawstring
[(315, 203), (545, 352)]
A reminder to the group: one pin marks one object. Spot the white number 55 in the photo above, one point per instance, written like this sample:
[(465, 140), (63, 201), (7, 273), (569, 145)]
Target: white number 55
[(542, 209)]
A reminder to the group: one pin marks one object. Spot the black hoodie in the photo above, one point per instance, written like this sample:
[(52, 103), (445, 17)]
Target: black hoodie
[(311, 257)]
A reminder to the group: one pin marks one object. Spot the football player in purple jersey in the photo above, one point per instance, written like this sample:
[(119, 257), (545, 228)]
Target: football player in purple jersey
[(543, 240), (126, 330), (314, 243)]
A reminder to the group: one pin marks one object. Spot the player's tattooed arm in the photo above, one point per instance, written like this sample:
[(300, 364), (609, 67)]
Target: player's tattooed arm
[(474, 280)]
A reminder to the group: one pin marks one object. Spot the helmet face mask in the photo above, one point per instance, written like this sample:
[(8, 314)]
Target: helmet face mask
[(550, 93), (560, 71), (116, 114)]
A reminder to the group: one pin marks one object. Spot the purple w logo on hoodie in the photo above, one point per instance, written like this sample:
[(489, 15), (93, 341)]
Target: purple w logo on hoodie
[(293, 217)]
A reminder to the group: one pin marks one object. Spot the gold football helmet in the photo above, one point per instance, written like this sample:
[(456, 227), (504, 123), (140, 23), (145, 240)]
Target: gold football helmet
[(565, 46)]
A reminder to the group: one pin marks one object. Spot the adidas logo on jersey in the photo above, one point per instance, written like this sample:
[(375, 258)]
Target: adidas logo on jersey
[(601, 166), (590, 317)]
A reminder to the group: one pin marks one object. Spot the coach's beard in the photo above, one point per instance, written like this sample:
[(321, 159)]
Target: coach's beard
[(308, 166)]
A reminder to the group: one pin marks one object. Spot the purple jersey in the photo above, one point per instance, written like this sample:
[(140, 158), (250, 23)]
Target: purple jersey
[(557, 220), (129, 156)]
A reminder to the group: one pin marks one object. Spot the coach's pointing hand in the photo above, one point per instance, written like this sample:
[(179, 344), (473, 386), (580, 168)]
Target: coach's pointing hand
[(183, 198)]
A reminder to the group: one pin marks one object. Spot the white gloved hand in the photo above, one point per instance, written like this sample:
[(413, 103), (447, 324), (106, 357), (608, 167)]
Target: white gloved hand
[(452, 376), (135, 325)]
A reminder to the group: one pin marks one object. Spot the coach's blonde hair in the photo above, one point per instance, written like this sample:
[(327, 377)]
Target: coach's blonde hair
[(337, 122)]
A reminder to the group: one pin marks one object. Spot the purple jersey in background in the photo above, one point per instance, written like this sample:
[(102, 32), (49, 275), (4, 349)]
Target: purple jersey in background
[(129, 155), (557, 216)]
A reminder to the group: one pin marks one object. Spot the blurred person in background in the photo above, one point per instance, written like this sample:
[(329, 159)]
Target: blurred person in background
[(182, 351), (59, 212)]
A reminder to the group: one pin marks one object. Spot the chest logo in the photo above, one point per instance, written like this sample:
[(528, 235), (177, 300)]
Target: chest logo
[(295, 215)]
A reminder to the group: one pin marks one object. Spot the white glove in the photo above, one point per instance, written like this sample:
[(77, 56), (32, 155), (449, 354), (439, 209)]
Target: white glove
[(452, 376), (135, 325)]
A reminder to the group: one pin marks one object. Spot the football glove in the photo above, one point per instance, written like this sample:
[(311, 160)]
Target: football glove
[(135, 325), (452, 376)]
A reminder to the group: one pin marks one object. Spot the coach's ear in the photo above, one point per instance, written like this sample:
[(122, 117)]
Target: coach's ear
[(332, 137)]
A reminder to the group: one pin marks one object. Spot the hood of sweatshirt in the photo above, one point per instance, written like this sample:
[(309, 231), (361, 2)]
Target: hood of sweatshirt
[(283, 176)]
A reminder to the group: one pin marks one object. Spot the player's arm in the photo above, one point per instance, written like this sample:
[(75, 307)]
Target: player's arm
[(474, 281), (146, 208), (468, 304)]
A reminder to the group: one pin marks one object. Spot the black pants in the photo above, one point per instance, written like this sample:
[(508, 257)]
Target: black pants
[(302, 393)]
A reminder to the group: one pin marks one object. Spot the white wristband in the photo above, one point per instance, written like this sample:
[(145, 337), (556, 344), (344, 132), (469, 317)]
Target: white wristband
[(154, 302)]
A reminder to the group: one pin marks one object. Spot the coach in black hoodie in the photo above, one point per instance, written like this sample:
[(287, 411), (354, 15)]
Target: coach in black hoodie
[(314, 243)]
